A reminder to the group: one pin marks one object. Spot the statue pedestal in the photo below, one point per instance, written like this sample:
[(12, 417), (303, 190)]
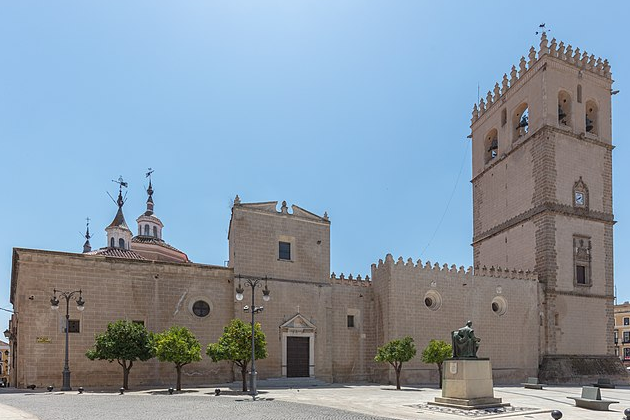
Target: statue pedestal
[(467, 384)]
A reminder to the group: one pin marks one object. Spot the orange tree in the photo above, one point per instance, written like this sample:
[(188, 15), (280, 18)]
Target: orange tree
[(179, 346), (396, 352), (235, 345), (125, 342)]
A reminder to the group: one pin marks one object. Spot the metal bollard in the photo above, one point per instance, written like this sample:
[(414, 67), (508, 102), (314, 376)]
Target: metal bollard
[(556, 414), (49, 388), (170, 391), (122, 391), (80, 389), (626, 413)]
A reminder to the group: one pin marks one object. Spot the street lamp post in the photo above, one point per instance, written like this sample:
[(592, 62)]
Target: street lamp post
[(253, 282), (54, 304)]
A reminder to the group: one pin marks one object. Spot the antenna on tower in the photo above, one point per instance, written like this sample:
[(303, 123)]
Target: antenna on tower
[(150, 171)]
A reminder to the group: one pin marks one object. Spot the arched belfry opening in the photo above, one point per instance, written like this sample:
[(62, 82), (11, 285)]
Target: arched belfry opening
[(591, 117), (491, 145), (564, 108), (520, 121)]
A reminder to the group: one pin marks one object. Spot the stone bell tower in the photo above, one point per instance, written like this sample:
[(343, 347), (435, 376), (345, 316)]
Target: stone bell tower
[(542, 195)]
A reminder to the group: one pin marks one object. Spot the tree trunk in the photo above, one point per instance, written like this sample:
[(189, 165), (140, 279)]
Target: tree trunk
[(179, 377), (126, 370), (440, 372), (397, 369), (244, 376)]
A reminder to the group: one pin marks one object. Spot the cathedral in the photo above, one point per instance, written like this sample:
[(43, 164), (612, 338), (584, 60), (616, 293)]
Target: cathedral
[(540, 291)]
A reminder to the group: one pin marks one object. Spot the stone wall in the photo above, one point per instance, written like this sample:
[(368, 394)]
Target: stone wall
[(159, 294), (510, 340)]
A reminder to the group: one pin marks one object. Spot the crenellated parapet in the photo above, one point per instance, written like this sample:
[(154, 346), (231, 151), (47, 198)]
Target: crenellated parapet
[(351, 280), (579, 59), (427, 267)]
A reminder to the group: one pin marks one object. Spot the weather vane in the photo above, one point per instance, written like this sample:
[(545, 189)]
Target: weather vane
[(121, 183), (542, 29), (150, 171), (87, 229)]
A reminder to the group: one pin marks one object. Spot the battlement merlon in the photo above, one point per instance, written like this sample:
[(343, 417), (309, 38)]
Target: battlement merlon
[(580, 60), (498, 272), (351, 280)]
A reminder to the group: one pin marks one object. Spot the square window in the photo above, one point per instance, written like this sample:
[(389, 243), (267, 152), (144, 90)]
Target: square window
[(350, 321), (580, 274), (284, 250), (73, 326)]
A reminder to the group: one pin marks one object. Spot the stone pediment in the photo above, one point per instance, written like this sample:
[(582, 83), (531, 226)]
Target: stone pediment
[(299, 323), (270, 206), (299, 211)]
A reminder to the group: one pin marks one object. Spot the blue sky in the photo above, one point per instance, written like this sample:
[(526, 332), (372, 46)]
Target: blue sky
[(357, 108)]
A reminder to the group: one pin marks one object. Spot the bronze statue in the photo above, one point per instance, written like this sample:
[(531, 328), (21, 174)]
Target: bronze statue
[(465, 344)]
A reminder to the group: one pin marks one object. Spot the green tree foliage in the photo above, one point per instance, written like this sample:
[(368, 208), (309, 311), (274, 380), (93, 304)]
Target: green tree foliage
[(396, 352), (436, 352), (125, 342), (235, 345), (177, 345)]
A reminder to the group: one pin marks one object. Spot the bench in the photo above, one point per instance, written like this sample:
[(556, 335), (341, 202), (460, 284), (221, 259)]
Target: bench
[(532, 383), (604, 383), (592, 399)]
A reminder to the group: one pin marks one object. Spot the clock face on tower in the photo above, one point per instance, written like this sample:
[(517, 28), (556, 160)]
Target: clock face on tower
[(579, 198)]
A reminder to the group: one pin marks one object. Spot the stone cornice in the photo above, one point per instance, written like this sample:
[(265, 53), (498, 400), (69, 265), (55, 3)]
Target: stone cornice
[(580, 294), (40, 256), (548, 207)]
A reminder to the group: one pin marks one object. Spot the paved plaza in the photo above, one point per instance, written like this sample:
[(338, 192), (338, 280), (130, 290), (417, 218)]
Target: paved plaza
[(337, 401)]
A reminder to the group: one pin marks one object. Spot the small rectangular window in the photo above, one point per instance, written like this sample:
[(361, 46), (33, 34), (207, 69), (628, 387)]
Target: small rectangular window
[(350, 321), (626, 321), (284, 250), (73, 326), (580, 274), (626, 353), (626, 336)]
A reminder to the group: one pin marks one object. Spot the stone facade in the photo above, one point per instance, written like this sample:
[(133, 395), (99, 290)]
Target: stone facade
[(542, 206), (622, 332), (5, 363)]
